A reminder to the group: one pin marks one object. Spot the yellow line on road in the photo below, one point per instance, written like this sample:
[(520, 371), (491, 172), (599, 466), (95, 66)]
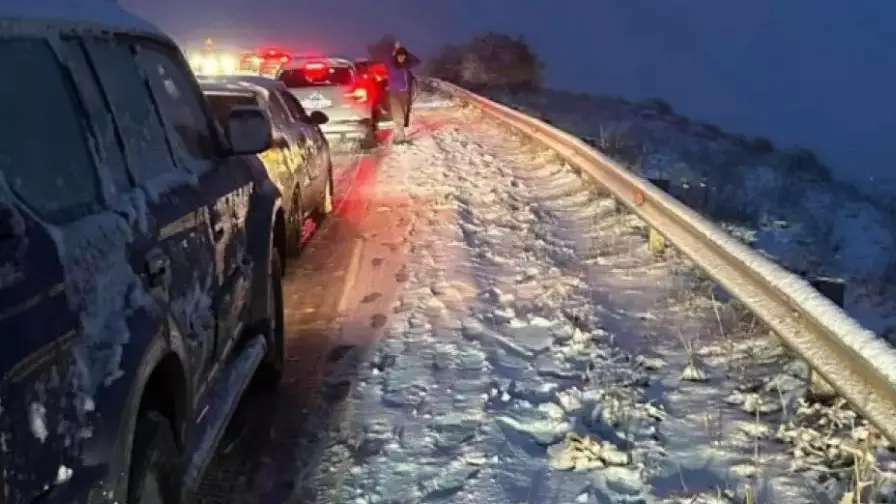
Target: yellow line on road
[(350, 274)]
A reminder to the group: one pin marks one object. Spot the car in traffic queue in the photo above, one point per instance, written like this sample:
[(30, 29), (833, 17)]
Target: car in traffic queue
[(213, 61), (374, 76), (141, 261), (299, 159), (271, 60), (333, 86)]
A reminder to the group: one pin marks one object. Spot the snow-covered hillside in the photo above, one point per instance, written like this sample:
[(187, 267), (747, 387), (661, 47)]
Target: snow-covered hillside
[(819, 74), (783, 202)]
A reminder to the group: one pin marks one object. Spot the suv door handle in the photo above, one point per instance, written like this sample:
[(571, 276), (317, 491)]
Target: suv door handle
[(158, 268), (218, 229)]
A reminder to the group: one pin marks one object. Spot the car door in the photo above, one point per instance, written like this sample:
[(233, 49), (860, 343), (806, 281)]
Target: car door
[(226, 185), (316, 148), (172, 247), (49, 198), (299, 183), (286, 149)]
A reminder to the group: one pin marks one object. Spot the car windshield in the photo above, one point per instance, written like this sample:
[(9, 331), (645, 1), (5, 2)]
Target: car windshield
[(222, 103), (317, 76)]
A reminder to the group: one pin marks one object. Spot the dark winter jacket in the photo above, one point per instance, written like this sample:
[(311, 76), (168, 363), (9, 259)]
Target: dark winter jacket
[(400, 75)]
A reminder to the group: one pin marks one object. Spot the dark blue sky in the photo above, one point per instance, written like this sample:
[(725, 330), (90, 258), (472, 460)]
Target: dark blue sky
[(818, 73)]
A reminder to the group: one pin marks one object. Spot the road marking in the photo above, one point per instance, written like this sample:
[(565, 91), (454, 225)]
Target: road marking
[(350, 274)]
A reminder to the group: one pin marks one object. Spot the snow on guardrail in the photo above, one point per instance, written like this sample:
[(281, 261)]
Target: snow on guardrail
[(860, 366)]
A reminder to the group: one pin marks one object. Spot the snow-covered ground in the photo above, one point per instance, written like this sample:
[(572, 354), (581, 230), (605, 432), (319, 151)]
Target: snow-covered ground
[(784, 203), (538, 353)]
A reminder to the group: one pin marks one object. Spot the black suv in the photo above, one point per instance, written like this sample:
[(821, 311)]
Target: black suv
[(140, 261)]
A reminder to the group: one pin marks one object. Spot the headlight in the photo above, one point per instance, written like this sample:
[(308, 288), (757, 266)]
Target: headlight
[(209, 66), (196, 61), (228, 63)]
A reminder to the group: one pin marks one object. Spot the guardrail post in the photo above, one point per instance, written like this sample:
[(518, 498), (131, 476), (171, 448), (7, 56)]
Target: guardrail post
[(656, 243), (835, 290)]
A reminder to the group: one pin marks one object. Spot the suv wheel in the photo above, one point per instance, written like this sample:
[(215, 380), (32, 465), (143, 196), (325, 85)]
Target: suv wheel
[(154, 458), (294, 224), (326, 202), (271, 368)]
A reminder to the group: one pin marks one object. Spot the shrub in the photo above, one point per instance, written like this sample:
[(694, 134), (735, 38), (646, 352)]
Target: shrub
[(661, 106), (492, 60)]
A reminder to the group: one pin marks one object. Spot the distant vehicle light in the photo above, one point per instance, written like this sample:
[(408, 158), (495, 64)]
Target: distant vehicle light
[(209, 66), (228, 64)]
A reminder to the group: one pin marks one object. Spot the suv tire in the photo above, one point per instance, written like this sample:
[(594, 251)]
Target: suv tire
[(326, 203), (270, 371), (153, 477), (295, 225)]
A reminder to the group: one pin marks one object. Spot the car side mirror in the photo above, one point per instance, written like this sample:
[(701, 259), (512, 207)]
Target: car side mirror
[(317, 118), (248, 130)]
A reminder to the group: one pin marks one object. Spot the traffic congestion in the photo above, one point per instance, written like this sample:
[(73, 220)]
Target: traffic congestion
[(142, 257), (352, 92)]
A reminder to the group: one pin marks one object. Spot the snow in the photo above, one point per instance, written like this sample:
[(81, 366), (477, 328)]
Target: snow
[(104, 290), (37, 421), (538, 352), (781, 202), (63, 474), (87, 12)]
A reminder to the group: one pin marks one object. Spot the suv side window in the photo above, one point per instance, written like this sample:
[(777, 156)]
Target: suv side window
[(295, 108), (180, 103), (278, 110), (44, 154), (110, 144), (146, 147)]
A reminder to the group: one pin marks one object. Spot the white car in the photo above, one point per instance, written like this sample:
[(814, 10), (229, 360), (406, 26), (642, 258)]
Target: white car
[(334, 86), (299, 160)]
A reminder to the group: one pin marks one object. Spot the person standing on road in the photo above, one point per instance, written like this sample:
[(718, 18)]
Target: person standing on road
[(399, 87)]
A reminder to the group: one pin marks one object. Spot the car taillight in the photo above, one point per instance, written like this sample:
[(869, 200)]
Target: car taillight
[(358, 94), (315, 66)]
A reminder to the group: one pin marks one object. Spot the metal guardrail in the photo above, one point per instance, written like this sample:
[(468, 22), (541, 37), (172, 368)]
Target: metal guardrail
[(860, 366)]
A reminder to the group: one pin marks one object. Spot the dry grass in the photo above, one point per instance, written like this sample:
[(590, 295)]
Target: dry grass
[(855, 466)]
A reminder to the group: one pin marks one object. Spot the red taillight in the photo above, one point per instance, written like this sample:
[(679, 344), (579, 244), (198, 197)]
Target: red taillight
[(315, 66), (379, 70), (358, 94)]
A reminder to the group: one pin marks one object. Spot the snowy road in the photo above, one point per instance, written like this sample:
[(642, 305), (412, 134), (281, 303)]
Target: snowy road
[(476, 324)]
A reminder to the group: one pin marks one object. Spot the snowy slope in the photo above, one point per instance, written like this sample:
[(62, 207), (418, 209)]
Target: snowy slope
[(782, 201), (538, 353)]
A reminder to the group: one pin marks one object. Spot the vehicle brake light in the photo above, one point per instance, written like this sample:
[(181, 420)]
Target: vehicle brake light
[(315, 66), (358, 94)]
